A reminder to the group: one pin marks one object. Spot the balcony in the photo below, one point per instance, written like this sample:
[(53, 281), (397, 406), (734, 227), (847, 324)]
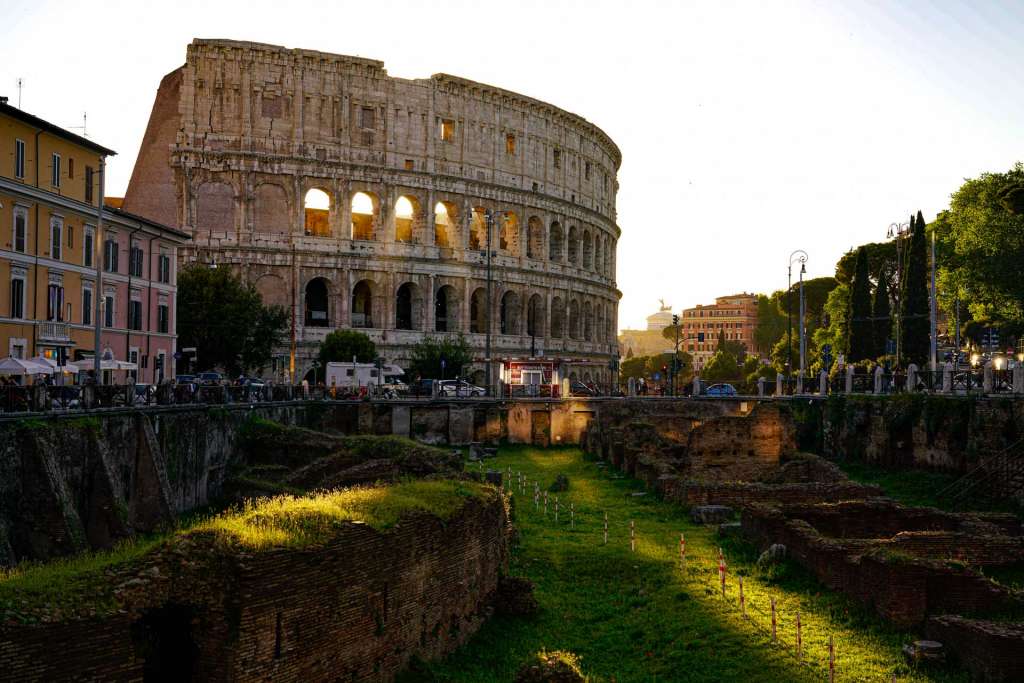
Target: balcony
[(53, 331)]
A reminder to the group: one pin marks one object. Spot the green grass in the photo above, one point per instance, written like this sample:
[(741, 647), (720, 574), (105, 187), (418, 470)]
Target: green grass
[(635, 616), (83, 582)]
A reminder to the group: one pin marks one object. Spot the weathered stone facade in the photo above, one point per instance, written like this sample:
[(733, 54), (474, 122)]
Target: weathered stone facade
[(244, 135)]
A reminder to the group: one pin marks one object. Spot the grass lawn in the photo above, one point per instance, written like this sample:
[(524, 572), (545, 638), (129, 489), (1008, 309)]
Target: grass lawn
[(635, 616)]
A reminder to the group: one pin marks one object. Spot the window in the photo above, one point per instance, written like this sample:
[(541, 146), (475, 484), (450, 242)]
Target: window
[(164, 268), (55, 302), (55, 170), (409, 165), (135, 259), (18, 297), (447, 130), (134, 314), (71, 168), (108, 310), (19, 158), (162, 318), (20, 228), (558, 158), (56, 228), (586, 171), (87, 305), (88, 247), (88, 184), (366, 117), (110, 255), (510, 144)]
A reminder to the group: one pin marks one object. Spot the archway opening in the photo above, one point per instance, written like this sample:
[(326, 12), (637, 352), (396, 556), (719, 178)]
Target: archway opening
[(316, 303), (446, 309), (478, 312), (573, 245), (362, 216), (588, 250), (510, 313), (534, 316), (407, 307), (444, 217), (509, 242), (362, 305), (405, 215), (478, 229), (555, 240), (317, 206), (574, 319), (557, 318), (534, 238)]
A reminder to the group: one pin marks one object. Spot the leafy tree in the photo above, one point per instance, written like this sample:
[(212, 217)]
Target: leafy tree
[(914, 319), (771, 320), (341, 345), (425, 357), (881, 325), (737, 348), (633, 367), (225, 319), (881, 259), (721, 367), (861, 338), (837, 312)]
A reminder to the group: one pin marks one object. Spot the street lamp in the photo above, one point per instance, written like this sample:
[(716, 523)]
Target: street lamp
[(800, 256), (898, 231)]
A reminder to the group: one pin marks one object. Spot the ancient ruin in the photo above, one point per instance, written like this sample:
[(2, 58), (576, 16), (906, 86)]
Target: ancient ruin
[(360, 200)]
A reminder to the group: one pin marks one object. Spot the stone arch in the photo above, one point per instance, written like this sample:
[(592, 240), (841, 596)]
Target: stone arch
[(598, 248), (446, 222), (535, 316), (573, 245), (365, 206), (363, 303), (446, 309), (273, 290), (408, 219), (316, 306), (599, 331), (478, 311), (588, 251), (557, 318), (408, 307), (509, 314), (215, 207), (478, 229), (271, 213), (316, 205), (534, 238), (509, 242), (588, 321), (574, 319), (556, 240)]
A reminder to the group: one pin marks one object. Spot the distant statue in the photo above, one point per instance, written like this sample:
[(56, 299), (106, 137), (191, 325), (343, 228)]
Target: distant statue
[(663, 306)]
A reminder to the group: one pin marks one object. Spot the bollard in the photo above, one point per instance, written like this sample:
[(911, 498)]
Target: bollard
[(912, 377), (774, 634), (947, 378), (743, 602), (823, 383), (799, 639), (721, 570), (760, 386), (632, 536), (606, 528), (1018, 379), (778, 385), (831, 660), (988, 380), (879, 376)]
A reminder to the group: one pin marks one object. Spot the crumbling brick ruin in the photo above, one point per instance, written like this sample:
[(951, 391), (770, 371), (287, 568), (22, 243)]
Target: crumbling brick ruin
[(356, 608)]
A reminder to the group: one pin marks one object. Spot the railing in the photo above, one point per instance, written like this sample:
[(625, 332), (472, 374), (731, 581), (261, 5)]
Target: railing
[(51, 330), (999, 476)]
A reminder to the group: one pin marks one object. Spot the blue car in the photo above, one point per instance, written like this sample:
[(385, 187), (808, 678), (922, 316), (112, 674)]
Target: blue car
[(721, 390)]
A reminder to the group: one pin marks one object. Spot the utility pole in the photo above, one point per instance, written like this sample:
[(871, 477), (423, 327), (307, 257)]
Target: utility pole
[(801, 256), (898, 230), (98, 253), (803, 340), (934, 314)]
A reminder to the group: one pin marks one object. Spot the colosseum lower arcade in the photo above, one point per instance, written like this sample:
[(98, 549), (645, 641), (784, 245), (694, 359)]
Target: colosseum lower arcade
[(358, 200)]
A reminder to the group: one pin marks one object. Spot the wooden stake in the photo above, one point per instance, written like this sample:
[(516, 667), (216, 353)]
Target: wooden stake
[(721, 570), (682, 552), (632, 536), (606, 528), (831, 660), (572, 516), (545, 503), (743, 602), (556, 509), (799, 639), (774, 634)]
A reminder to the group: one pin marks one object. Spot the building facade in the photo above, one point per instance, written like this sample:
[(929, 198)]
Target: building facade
[(650, 341), (358, 200), (50, 249), (733, 316)]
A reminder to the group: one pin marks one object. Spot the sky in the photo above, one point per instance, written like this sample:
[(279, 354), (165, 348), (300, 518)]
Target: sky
[(747, 129)]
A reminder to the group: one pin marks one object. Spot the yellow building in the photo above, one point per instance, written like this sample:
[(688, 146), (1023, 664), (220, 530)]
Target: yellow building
[(49, 189)]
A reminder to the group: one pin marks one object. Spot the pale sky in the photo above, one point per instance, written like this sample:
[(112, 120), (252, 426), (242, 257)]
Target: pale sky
[(747, 130)]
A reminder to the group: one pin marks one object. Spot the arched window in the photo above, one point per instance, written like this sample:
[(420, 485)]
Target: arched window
[(407, 307), (535, 317), (535, 238), (318, 209), (316, 303), (510, 313), (555, 240), (557, 318), (598, 241), (363, 210), (405, 219), (509, 242), (362, 304), (574, 319), (588, 251), (588, 321), (478, 229), (444, 224), (478, 312), (573, 245), (446, 309)]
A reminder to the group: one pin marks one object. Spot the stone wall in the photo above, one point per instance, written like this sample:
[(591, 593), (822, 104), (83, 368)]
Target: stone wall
[(991, 651), (355, 609)]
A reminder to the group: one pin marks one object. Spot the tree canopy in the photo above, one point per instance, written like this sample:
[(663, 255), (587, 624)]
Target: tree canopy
[(861, 339), (426, 356), (341, 345), (226, 321), (914, 304)]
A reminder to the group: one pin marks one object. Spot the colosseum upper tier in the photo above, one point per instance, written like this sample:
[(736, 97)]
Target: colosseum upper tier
[(358, 200)]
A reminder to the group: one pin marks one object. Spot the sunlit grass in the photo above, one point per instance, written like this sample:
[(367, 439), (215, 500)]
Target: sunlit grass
[(636, 616)]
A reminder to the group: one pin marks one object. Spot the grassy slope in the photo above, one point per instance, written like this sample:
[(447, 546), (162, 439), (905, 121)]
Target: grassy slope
[(633, 616)]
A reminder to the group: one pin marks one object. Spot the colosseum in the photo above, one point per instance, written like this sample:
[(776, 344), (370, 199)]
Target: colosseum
[(359, 200)]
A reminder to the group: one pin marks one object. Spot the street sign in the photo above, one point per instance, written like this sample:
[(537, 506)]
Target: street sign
[(656, 377), (177, 355)]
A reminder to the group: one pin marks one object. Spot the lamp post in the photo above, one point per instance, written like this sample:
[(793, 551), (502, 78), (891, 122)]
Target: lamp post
[(489, 219), (800, 256), (898, 231), (803, 327)]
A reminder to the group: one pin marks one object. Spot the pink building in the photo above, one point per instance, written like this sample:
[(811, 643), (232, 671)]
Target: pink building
[(139, 293)]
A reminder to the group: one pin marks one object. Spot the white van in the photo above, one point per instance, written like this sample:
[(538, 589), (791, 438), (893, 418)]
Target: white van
[(355, 375)]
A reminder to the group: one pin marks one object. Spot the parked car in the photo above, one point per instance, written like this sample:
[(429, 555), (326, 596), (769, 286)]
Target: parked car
[(721, 390), (210, 378), (460, 389), (423, 387)]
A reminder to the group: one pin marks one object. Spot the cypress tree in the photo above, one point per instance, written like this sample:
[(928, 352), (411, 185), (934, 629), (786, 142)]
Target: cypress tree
[(914, 302), (861, 340), (882, 323)]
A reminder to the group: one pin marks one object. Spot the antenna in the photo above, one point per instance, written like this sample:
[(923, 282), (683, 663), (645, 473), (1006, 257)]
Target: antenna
[(83, 127), (19, 93)]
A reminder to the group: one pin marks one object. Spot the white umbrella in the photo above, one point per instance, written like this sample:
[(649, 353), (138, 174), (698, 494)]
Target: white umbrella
[(21, 366)]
